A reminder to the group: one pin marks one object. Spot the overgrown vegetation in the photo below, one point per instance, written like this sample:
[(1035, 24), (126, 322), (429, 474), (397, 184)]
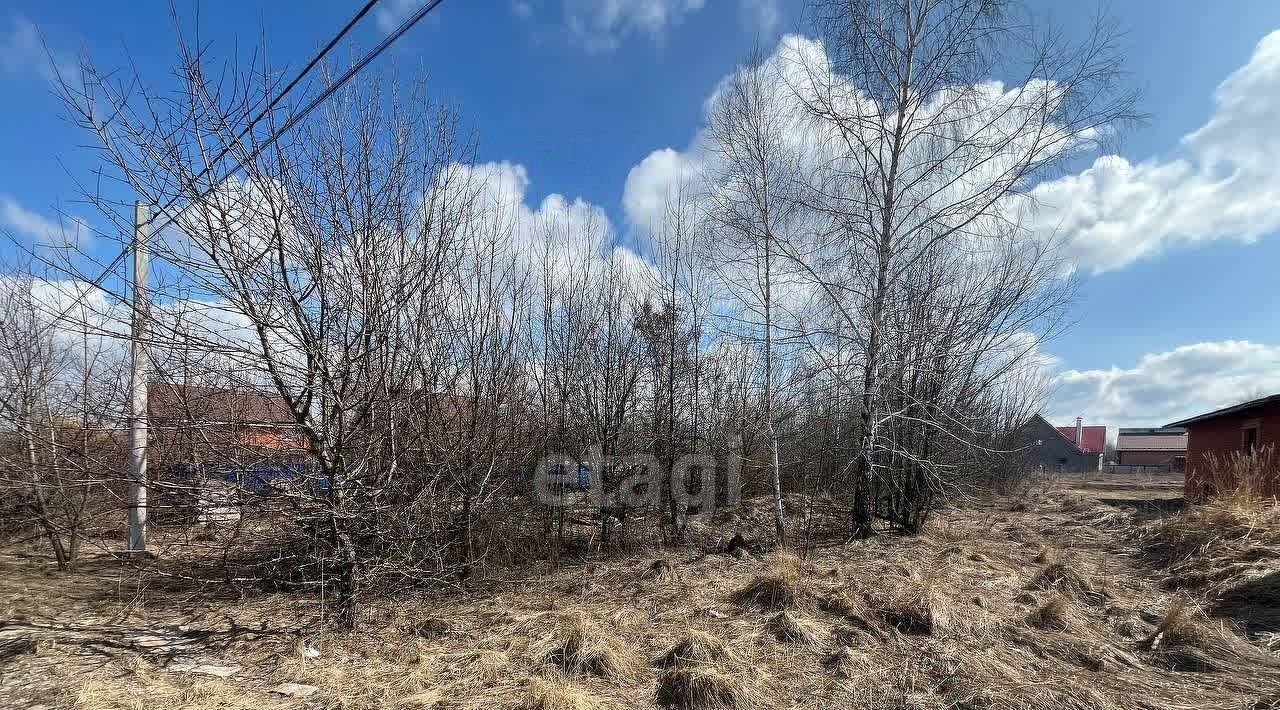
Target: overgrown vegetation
[(382, 375), (969, 614)]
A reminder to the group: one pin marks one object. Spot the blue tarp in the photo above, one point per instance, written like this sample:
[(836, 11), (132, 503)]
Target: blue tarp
[(556, 475)]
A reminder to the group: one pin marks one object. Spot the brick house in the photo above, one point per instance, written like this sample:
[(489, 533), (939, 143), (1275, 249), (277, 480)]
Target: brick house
[(1164, 447), (201, 424), (1222, 433)]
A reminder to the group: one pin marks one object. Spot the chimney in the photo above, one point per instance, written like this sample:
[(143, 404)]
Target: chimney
[(1080, 432)]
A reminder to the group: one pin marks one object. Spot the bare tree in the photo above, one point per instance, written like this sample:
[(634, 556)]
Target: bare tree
[(926, 161), (752, 179), (323, 267), (60, 402)]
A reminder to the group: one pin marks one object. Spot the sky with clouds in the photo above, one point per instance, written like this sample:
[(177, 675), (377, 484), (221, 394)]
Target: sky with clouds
[(594, 104)]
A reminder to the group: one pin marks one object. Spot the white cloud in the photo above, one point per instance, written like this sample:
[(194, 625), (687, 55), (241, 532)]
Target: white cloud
[(41, 231), (391, 13), (567, 237), (601, 25), (651, 182), (762, 16), (1224, 182), (23, 54), (1163, 387)]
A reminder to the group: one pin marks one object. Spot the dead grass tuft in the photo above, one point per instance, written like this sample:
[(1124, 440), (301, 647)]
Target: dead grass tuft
[(699, 687), (914, 609), (1054, 614), (579, 646), (694, 648), (1187, 640), (782, 586), (790, 628), (557, 694), (662, 570), (431, 629), (1059, 577)]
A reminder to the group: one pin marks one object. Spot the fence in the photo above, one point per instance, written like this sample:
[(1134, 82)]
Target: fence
[(1136, 469)]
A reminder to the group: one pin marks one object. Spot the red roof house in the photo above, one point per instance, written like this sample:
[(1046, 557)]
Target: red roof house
[(1089, 439)]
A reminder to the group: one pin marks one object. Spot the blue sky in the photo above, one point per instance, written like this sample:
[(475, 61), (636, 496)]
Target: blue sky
[(1179, 311)]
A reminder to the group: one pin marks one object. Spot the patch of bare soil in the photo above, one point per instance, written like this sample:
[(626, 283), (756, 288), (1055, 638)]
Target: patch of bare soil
[(1050, 601)]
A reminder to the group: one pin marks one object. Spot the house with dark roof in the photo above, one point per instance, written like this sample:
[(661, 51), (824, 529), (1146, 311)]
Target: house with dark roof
[(1213, 438), (1043, 446), (1164, 447)]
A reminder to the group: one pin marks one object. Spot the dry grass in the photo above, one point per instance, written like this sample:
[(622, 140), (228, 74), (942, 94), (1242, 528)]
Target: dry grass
[(661, 569), (699, 688), (787, 627), (109, 694), (781, 586), (579, 645), (961, 617), (1054, 614), (691, 677), (557, 694), (913, 608), (1060, 577), (694, 648), (1227, 552)]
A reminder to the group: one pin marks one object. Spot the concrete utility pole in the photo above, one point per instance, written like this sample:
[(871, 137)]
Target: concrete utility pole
[(138, 385)]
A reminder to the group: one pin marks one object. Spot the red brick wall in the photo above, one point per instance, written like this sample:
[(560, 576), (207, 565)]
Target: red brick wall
[(1224, 436)]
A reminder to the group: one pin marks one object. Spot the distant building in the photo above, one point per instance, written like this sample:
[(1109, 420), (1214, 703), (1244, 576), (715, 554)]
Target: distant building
[(1165, 447), (196, 423), (1220, 434), (1073, 448)]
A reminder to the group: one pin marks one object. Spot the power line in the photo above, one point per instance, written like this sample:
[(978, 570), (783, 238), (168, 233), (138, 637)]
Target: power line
[(280, 96), (275, 136), (315, 102), (119, 258)]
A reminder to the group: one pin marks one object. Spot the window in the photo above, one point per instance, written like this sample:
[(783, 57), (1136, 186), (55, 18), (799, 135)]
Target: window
[(1250, 439)]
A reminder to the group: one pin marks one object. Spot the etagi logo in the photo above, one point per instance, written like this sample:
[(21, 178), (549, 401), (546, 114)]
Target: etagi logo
[(637, 480)]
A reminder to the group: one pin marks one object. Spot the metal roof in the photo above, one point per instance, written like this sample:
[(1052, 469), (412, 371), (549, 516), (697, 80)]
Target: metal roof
[(1095, 438), (1156, 442)]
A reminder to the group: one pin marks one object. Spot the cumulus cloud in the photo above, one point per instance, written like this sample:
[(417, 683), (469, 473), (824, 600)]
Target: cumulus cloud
[(39, 230), (652, 181), (602, 25), (1222, 183), (561, 237), (1163, 387), (986, 131)]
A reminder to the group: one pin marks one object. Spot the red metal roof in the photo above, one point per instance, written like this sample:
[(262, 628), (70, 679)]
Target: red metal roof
[(1095, 438)]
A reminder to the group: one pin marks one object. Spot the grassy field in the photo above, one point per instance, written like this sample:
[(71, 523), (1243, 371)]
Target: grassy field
[(1083, 594)]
